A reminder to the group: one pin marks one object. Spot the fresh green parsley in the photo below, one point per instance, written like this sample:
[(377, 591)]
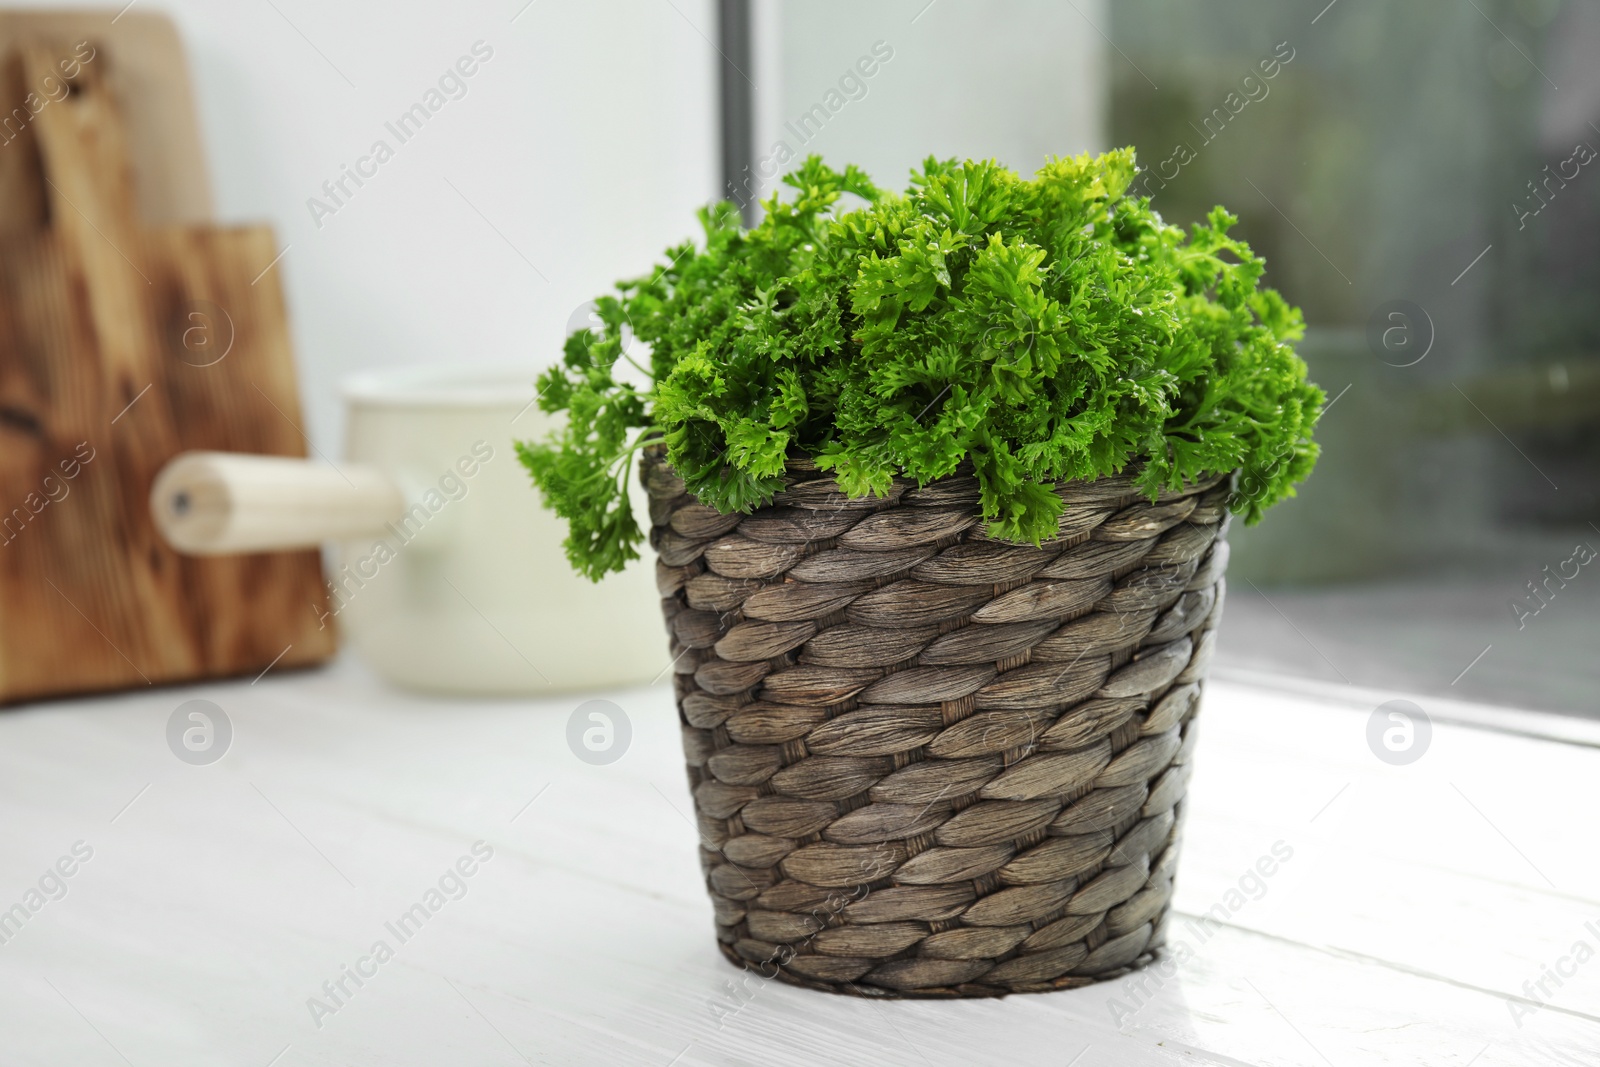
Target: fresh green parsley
[(1036, 330)]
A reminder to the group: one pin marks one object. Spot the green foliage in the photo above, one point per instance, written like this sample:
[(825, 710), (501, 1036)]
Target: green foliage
[(1038, 330)]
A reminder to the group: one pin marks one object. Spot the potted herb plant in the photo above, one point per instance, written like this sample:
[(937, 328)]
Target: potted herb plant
[(938, 489)]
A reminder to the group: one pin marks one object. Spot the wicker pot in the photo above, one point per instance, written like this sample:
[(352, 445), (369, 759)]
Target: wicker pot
[(927, 763)]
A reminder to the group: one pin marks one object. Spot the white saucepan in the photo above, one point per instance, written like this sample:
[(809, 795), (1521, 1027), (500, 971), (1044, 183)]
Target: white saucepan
[(448, 574)]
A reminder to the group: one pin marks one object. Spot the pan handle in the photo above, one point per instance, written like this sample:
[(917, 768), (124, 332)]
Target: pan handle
[(217, 503)]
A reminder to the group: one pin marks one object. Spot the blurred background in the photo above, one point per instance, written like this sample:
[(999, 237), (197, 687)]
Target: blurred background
[(1415, 177), (1421, 178)]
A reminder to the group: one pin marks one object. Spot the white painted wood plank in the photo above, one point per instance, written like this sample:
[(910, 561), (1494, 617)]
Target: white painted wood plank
[(1522, 721), (217, 903), (1399, 864)]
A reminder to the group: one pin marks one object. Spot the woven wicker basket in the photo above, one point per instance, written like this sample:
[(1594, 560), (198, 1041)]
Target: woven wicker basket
[(927, 763)]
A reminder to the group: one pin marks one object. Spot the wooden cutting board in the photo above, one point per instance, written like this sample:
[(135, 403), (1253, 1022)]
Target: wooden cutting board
[(149, 80), (120, 346)]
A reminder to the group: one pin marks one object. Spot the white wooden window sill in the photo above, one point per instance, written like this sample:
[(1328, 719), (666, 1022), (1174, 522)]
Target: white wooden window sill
[(1429, 914)]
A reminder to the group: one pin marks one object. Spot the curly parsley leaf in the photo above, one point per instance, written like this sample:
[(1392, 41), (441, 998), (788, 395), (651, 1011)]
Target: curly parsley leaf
[(1031, 330)]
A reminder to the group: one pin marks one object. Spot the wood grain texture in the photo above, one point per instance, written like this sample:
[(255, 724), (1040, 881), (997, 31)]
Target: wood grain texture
[(142, 64), (1399, 934), (108, 332)]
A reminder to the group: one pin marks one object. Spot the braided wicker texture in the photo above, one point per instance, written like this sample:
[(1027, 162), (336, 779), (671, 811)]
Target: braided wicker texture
[(927, 763)]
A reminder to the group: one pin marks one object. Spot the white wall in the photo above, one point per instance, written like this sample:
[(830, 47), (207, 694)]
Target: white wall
[(1017, 80), (588, 139)]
